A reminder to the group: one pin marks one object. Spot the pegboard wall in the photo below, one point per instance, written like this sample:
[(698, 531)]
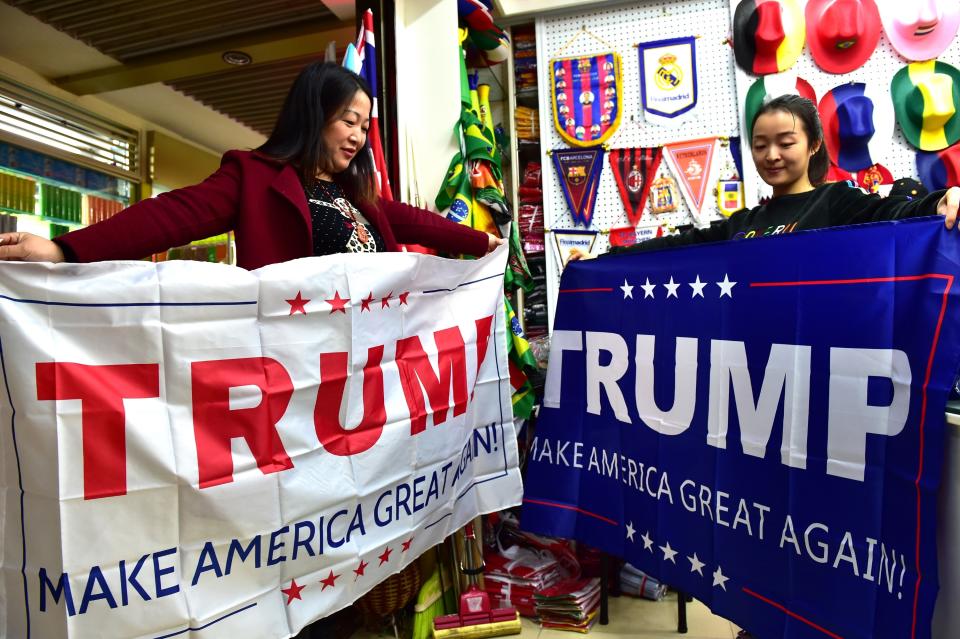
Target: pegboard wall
[(623, 27), (722, 89)]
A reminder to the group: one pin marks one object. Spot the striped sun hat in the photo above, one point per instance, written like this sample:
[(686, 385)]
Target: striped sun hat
[(926, 96), (858, 125), (768, 35)]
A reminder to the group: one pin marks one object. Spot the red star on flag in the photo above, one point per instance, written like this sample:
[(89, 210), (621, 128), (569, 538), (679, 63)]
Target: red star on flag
[(293, 592), (365, 302), (359, 569), (403, 298), (298, 304), (385, 557), (329, 582), (406, 545), (338, 303), (385, 301)]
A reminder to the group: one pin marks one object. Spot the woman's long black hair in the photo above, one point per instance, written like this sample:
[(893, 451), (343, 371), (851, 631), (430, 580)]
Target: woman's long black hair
[(805, 111), (320, 93)]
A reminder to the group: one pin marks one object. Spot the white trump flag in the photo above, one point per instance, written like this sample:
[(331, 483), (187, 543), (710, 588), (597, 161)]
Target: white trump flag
[(196, 450)]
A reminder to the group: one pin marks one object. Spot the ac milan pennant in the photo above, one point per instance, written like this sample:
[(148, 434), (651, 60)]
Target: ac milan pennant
[(634, 170), (628, 235), (565, 240), (586, 97), (692, 162), (579, 171)]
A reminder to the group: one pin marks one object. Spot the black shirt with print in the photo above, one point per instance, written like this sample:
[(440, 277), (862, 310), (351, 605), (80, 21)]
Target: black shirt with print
[(828, 205), (338, 227)]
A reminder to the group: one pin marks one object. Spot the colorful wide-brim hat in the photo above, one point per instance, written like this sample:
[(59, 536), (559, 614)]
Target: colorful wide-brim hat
[(926, 96), (768, 35), (939, 169), (842, 33), (920, 29), (486, 43), (773, 86), (858, 125)]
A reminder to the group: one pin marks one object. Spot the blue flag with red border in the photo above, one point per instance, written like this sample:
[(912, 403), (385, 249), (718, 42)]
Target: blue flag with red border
[(759, 423)]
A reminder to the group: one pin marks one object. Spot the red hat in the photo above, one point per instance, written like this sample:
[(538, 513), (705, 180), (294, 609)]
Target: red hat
[(843, 33)]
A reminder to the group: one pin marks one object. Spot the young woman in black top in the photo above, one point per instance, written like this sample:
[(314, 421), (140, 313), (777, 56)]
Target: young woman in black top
[(789, 153)]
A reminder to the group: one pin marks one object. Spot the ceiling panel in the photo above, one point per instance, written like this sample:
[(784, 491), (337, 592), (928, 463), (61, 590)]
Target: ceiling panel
[(138, 33)]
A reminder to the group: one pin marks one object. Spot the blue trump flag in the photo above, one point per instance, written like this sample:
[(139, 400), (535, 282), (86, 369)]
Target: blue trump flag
[(759, 423)]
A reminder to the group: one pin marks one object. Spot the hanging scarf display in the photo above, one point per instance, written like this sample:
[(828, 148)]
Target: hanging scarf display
[(692, 162), (668, 79), (586, 97), (634, 169), (567, 239), (578, 171)]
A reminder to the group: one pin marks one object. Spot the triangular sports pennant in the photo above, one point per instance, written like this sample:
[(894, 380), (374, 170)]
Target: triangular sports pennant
[(692, 162), (586, 97), (578, 171), (634, 170), (629, 235), (668, 79), (564, 240)]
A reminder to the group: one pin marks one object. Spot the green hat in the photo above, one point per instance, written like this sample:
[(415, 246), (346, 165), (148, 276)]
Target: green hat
[(926, 97), (767, 88)]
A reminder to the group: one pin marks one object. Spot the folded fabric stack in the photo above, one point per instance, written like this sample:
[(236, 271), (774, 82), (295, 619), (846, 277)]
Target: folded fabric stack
[(527, 123), (525, 59), (636, 583), (530, 213), (512, 576), (571, 605)]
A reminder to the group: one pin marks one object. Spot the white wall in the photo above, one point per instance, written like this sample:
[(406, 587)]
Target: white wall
[(428, 92)]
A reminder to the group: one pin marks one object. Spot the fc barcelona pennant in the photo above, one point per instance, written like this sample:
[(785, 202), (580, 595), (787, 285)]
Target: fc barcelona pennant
[(692, 162), (586, 97), (634, 170), (578, 171), (668, 79)]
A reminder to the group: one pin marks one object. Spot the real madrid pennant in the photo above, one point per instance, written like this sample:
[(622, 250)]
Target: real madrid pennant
[(586, 96), (668, 79)]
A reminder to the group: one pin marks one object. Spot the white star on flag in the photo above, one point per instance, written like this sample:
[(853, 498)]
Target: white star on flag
[(697, 287), (726, 286), (627, 289), (647, 541), (630, 531), (719, 579), (672, 287), (648, 289), (668, 553), (696, 565)]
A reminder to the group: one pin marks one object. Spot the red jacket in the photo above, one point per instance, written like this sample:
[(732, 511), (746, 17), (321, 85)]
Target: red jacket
[(263, 202)]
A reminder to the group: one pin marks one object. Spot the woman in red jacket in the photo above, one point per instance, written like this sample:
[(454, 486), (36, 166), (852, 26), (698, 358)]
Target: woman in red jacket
[(308, 190)]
